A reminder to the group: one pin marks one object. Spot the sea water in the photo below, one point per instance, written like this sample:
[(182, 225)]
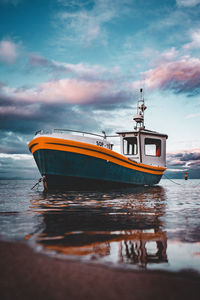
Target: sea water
[(144, 228)]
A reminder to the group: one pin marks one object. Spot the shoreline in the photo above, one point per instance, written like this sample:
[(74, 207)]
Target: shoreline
[(26, 274)]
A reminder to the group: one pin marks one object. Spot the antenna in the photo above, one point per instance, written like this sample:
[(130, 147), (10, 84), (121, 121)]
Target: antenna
[(139, 117)]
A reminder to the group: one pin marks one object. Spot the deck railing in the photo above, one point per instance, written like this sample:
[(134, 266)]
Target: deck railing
[(77, 131), (74, 131)]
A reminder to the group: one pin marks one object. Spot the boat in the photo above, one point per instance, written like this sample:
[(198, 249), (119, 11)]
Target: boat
[(77, 160)]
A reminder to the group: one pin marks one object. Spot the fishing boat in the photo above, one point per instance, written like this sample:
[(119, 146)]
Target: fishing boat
[(75, 160)]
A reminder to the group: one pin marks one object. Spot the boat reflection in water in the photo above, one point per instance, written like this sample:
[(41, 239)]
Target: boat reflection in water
[(119, 227), (135, 249)]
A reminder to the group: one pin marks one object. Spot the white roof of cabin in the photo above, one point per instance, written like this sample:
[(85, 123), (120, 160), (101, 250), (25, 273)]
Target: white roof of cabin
[(144, 131)]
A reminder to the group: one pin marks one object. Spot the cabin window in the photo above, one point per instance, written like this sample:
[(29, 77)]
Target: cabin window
[(152, 147), (130, 146)]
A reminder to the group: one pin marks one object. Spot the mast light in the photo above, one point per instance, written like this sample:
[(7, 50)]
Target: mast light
[(139, 117)]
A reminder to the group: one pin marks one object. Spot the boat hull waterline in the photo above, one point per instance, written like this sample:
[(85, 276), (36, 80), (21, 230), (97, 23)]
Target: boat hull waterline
[(76, 165)]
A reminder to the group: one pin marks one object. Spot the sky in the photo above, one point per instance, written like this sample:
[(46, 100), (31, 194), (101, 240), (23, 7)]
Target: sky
[(80, 64)]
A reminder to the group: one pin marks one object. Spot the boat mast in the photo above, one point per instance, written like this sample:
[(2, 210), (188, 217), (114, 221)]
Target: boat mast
[(139, 117)]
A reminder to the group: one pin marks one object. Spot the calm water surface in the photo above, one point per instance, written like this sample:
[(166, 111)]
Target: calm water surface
[(146, 228)]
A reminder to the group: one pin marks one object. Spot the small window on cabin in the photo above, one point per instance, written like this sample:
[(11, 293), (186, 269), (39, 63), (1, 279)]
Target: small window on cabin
[(152, 147), (130, 146)]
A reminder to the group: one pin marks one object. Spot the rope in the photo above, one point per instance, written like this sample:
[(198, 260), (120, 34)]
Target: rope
[(36, 183), (172, 180), (179, 183)]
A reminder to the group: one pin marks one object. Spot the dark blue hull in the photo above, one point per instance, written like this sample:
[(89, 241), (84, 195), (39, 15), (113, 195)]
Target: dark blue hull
[(75, 171)]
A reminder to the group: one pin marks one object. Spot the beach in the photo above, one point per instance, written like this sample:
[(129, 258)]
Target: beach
[(26, 274)]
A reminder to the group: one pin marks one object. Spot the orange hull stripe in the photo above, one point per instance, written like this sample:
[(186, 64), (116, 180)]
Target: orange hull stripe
[(46, 143)]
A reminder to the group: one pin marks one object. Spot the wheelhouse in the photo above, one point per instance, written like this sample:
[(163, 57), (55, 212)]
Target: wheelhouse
[(144, 146)]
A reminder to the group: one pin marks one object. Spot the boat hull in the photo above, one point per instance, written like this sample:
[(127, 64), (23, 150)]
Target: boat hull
[(74, 171)]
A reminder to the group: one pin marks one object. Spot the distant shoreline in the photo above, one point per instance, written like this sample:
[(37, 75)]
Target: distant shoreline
[(26, 274)]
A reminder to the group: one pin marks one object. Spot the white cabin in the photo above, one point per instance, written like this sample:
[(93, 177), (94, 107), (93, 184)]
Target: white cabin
[(144, 146)]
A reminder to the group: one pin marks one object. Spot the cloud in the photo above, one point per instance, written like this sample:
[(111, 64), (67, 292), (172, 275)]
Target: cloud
[(190, 156), (66, 90), (78, 70), (175, 162), (195, 43), (194, 165), (84, 22), (66, 103), (168, 55), (74, 91), (181, 76), (15, 156), (13, 142), (175, 170), (8, 52), (179, 162), (187, 3), (69, 102), (189, 159), (27, 118), (17, 166)]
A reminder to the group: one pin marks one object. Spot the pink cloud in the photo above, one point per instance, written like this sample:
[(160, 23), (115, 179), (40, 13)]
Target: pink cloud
[(8, 52), (73, 91), (63, 90), (181, 76)]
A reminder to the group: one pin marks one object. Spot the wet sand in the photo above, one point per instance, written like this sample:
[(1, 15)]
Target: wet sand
[(25, 274)]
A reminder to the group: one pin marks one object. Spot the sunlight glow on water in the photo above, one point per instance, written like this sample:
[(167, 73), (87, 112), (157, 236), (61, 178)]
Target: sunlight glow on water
[(148, 227)]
